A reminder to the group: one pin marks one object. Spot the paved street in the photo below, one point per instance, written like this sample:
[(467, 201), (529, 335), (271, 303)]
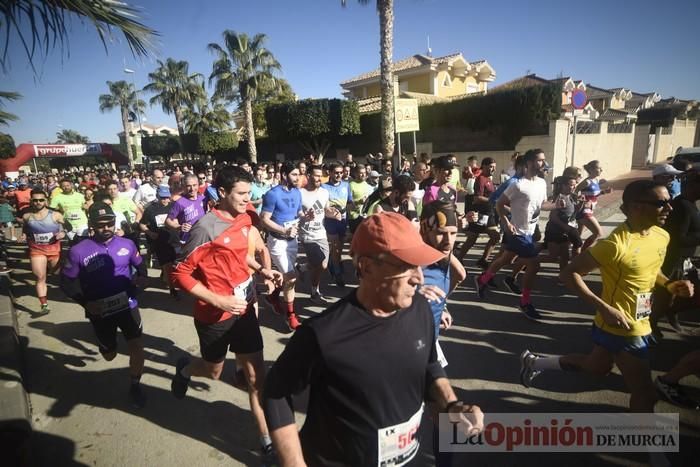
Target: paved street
[(82, 417)]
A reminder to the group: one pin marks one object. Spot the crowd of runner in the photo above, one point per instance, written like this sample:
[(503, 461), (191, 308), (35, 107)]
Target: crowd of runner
[(231, 233)]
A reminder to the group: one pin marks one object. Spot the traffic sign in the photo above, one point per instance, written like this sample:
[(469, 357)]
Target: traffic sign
[(579, 99)]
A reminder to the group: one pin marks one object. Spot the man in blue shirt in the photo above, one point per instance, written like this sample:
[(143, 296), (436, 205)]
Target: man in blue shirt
[(340, 200), (438, 228), (281, 212)]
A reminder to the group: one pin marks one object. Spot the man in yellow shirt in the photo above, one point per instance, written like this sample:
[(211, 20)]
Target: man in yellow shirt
[(630, 265)]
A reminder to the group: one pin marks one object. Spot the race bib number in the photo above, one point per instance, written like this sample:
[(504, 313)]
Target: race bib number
[(160, 220), (109, 305), (643, 306), (397, 444), (483, 219), (245, 290), (43, 238), (440, 355), (73, 216), (288, 224)]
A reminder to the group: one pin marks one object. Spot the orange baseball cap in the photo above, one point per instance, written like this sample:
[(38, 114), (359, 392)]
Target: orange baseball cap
[(390, 232)]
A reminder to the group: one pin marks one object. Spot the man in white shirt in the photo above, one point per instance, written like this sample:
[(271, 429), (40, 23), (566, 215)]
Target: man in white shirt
[(523, 200), (312, 233), (147, 191)]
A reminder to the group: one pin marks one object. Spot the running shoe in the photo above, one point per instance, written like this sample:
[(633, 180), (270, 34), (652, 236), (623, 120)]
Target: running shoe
[(478, 288), (318, 298), (512, 285), (136, 396), (527, 372), (44, 309), (4, 270), (675, 394), (275, 304), (529, 311), (293, 321), (179, 384), (482, 263), (268, 457), (492, 283)]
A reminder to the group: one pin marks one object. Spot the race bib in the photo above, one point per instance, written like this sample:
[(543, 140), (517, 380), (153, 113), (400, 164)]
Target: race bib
[(160, 220), (109, 305), (73, 216), (288, 224), (643, 309), (483, 219), (397, 444), (440, 355), (245, 290), (43, 238)]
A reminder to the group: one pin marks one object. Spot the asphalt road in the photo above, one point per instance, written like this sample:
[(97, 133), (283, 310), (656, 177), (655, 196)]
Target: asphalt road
[(81, 413)]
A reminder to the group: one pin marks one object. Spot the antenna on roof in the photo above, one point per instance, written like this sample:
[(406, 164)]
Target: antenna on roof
[(430, 51)]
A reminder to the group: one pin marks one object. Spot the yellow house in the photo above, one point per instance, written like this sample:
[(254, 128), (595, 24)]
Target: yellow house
[(433, 78)]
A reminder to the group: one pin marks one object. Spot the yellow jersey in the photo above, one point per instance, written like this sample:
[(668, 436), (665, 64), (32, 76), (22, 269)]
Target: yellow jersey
[(629, 264)]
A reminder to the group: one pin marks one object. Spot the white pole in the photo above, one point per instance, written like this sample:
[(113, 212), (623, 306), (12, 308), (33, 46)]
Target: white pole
[(36, 171), (573, 142)]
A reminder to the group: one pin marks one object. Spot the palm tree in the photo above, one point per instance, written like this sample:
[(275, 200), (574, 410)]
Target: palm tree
[(70, 137), (385, 9), (239, 68), (122, 95), (41, 24), (7, 117), (206, 117), (175, 89)]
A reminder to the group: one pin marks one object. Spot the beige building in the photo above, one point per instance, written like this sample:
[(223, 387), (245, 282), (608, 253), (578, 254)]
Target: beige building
[(147, 129), (428, 79)]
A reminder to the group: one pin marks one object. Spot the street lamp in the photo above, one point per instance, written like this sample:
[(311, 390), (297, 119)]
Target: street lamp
[(131, 72)]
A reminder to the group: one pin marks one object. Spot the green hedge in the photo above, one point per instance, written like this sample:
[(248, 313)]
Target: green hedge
[(206, 144), (310, 119)]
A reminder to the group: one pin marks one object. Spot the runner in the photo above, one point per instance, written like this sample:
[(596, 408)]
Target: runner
[(441, 188), (71, 204), (98, 275), (214, 267), (486, 220), (360, 191), (399, 199), (160, 238), (281, 214), (146, 193), (630, 265), (336, 228), (312, 234), (590, 189), (524, 199), (188, 209), (43, 228), (561, 233), (366, 397)]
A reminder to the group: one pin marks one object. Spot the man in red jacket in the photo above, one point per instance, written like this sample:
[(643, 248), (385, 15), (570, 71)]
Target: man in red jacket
[(215, 267)]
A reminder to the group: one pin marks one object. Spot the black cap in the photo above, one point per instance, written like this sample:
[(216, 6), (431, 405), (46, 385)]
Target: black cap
[(100, 212), (443, 162)]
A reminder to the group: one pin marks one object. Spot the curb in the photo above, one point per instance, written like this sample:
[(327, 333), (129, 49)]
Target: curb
[(15, 414)]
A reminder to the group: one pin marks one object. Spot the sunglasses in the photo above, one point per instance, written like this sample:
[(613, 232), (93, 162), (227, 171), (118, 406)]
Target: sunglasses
[(658, 203), (38, 200), (103, 225)]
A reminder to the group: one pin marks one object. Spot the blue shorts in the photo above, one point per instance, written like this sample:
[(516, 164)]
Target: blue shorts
[(522, 245), (634, 345), (334, 227)]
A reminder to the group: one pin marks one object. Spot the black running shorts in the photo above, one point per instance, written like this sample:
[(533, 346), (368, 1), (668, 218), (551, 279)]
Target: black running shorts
[(129, 321), (239, 335)]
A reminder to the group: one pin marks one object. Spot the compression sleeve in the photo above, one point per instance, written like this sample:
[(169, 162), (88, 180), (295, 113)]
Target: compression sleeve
[(293, 371)]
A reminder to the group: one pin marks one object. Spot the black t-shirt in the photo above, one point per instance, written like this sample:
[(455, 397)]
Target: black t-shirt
[(154, 218), (683, 226), (366, 374), (404, 209)]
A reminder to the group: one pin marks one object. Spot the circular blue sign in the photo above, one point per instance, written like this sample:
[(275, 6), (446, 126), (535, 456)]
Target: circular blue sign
[(579, 99)]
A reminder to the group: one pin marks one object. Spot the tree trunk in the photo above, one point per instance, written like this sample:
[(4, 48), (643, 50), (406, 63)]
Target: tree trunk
[(127, 139), (250, 130), (180, 130), (386, 41)]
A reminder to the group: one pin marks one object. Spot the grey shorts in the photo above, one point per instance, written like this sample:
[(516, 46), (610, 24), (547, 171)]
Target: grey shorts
[(317, 251)]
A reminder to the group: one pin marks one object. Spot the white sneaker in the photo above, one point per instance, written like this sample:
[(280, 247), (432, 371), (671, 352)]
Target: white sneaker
[(527, 372)]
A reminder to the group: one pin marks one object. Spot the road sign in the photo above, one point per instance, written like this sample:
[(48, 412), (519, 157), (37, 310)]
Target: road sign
[(579, 99), (406, 115)]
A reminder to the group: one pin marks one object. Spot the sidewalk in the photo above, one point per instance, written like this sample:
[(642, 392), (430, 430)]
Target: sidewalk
[(609, 204)]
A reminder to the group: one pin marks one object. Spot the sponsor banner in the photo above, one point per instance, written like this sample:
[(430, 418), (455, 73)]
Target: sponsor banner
[(67, 150), (564, 432)]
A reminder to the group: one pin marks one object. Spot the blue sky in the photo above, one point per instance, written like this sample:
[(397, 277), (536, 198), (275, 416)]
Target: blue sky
[(642, 45)]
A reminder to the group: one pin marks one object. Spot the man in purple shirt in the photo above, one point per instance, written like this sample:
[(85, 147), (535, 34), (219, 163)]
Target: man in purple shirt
[(188, 209), (98, 276)]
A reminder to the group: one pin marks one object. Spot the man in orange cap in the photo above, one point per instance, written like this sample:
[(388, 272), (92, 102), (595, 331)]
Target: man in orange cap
[(370, 360)]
